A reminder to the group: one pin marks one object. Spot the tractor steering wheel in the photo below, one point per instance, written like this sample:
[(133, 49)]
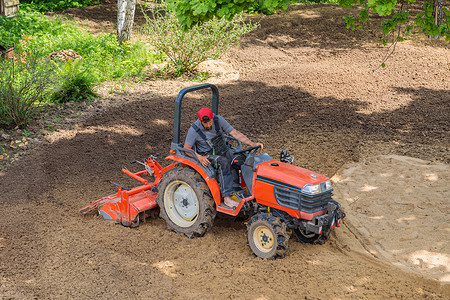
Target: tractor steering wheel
[(228, 140), (250, 151)]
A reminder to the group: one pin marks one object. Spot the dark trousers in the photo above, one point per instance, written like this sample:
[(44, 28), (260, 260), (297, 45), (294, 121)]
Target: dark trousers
[(223, 166)]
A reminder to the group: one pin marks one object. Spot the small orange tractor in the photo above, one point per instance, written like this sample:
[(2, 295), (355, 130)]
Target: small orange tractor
[(276, 197)]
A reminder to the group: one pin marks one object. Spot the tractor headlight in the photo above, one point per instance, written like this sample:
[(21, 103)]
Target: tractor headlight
[(314, 189)]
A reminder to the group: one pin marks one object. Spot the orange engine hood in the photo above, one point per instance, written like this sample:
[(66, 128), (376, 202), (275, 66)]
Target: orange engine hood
[(288, 174)]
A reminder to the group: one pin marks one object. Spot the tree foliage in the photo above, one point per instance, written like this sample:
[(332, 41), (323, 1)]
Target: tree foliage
[(191, 12), (185, 50), (397, 15), (56, 5)]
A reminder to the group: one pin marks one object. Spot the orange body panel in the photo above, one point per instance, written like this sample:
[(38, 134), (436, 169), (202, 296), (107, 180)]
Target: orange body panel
[(292, 174), (281, 173), (211, 182)]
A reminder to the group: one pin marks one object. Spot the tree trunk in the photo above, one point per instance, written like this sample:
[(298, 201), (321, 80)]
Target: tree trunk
[(438, 13), (125, 19)]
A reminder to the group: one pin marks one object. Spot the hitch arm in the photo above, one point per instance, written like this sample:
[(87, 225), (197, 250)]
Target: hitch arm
[(133, 175)]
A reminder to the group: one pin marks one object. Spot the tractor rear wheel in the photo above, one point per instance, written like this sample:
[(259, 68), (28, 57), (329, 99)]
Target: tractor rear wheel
[(267, 236), (186, 203)]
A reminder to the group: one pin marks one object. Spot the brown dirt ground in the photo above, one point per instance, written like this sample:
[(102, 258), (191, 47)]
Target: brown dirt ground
[(301, 81)]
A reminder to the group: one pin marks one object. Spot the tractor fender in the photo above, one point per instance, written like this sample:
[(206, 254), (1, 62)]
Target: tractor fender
[(211, 182)]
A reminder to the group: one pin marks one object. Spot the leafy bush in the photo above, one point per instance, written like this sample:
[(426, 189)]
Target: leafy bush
[(191, 12), (26, 23), (185, 50), (56, 5), (26, 81), (77, 86), (102, 55), (317, 1)]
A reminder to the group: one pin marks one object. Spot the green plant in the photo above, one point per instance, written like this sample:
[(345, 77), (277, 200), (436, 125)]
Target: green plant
[(27, 23), (192, 12), (56, 5), (395, 17), (77, 86), (103, 58), (201, 76), (185, 50), (26, 81), (317, 1), (26, 133), (75, 89)]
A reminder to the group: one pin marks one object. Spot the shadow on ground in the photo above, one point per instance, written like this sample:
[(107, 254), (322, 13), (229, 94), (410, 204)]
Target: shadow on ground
[(322, 133)]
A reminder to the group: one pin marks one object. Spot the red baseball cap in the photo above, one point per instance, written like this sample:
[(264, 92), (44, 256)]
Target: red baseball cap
[(205, 114)]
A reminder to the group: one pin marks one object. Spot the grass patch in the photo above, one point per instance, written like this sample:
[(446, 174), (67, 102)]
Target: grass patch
[(35, 36), (102, 56), (56, 5)]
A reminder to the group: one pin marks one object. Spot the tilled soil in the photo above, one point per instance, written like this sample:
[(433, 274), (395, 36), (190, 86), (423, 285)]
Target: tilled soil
[(305, 83)]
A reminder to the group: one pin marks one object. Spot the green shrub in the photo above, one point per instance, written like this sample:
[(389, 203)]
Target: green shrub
[(26, 23), (56, 5), (77, 86), (185, 50), (317, 1), (26, 80), (103, 58)]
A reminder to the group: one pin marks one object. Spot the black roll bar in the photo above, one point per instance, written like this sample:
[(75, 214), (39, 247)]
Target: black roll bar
[(179, 99)]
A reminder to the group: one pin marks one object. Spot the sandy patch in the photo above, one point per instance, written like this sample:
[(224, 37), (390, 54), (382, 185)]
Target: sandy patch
[(220, 71), (398, 208)]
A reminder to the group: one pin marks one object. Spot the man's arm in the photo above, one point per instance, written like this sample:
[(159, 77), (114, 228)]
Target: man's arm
[(243, 139), (203, 159)]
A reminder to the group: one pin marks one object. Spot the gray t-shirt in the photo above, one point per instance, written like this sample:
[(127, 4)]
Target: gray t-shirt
[(193, 138)]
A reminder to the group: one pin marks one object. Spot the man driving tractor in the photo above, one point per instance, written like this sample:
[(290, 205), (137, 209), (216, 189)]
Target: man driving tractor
[(205, 137), (276, 197)]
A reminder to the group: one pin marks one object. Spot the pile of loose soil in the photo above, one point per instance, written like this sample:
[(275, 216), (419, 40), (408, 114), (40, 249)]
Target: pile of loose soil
[(397, 210), (301, 81)]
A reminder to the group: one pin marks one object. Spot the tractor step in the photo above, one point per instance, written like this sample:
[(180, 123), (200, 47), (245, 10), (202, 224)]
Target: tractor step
[(223, 208)]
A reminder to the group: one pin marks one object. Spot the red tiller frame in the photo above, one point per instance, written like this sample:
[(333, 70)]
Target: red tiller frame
[(125, 206)]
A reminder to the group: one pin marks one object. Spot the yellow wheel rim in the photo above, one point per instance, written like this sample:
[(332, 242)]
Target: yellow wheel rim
[(263, 239)]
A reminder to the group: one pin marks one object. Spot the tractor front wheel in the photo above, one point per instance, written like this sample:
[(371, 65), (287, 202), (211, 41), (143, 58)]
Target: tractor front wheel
[(267, 236), (186, 203), (310, 237)]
